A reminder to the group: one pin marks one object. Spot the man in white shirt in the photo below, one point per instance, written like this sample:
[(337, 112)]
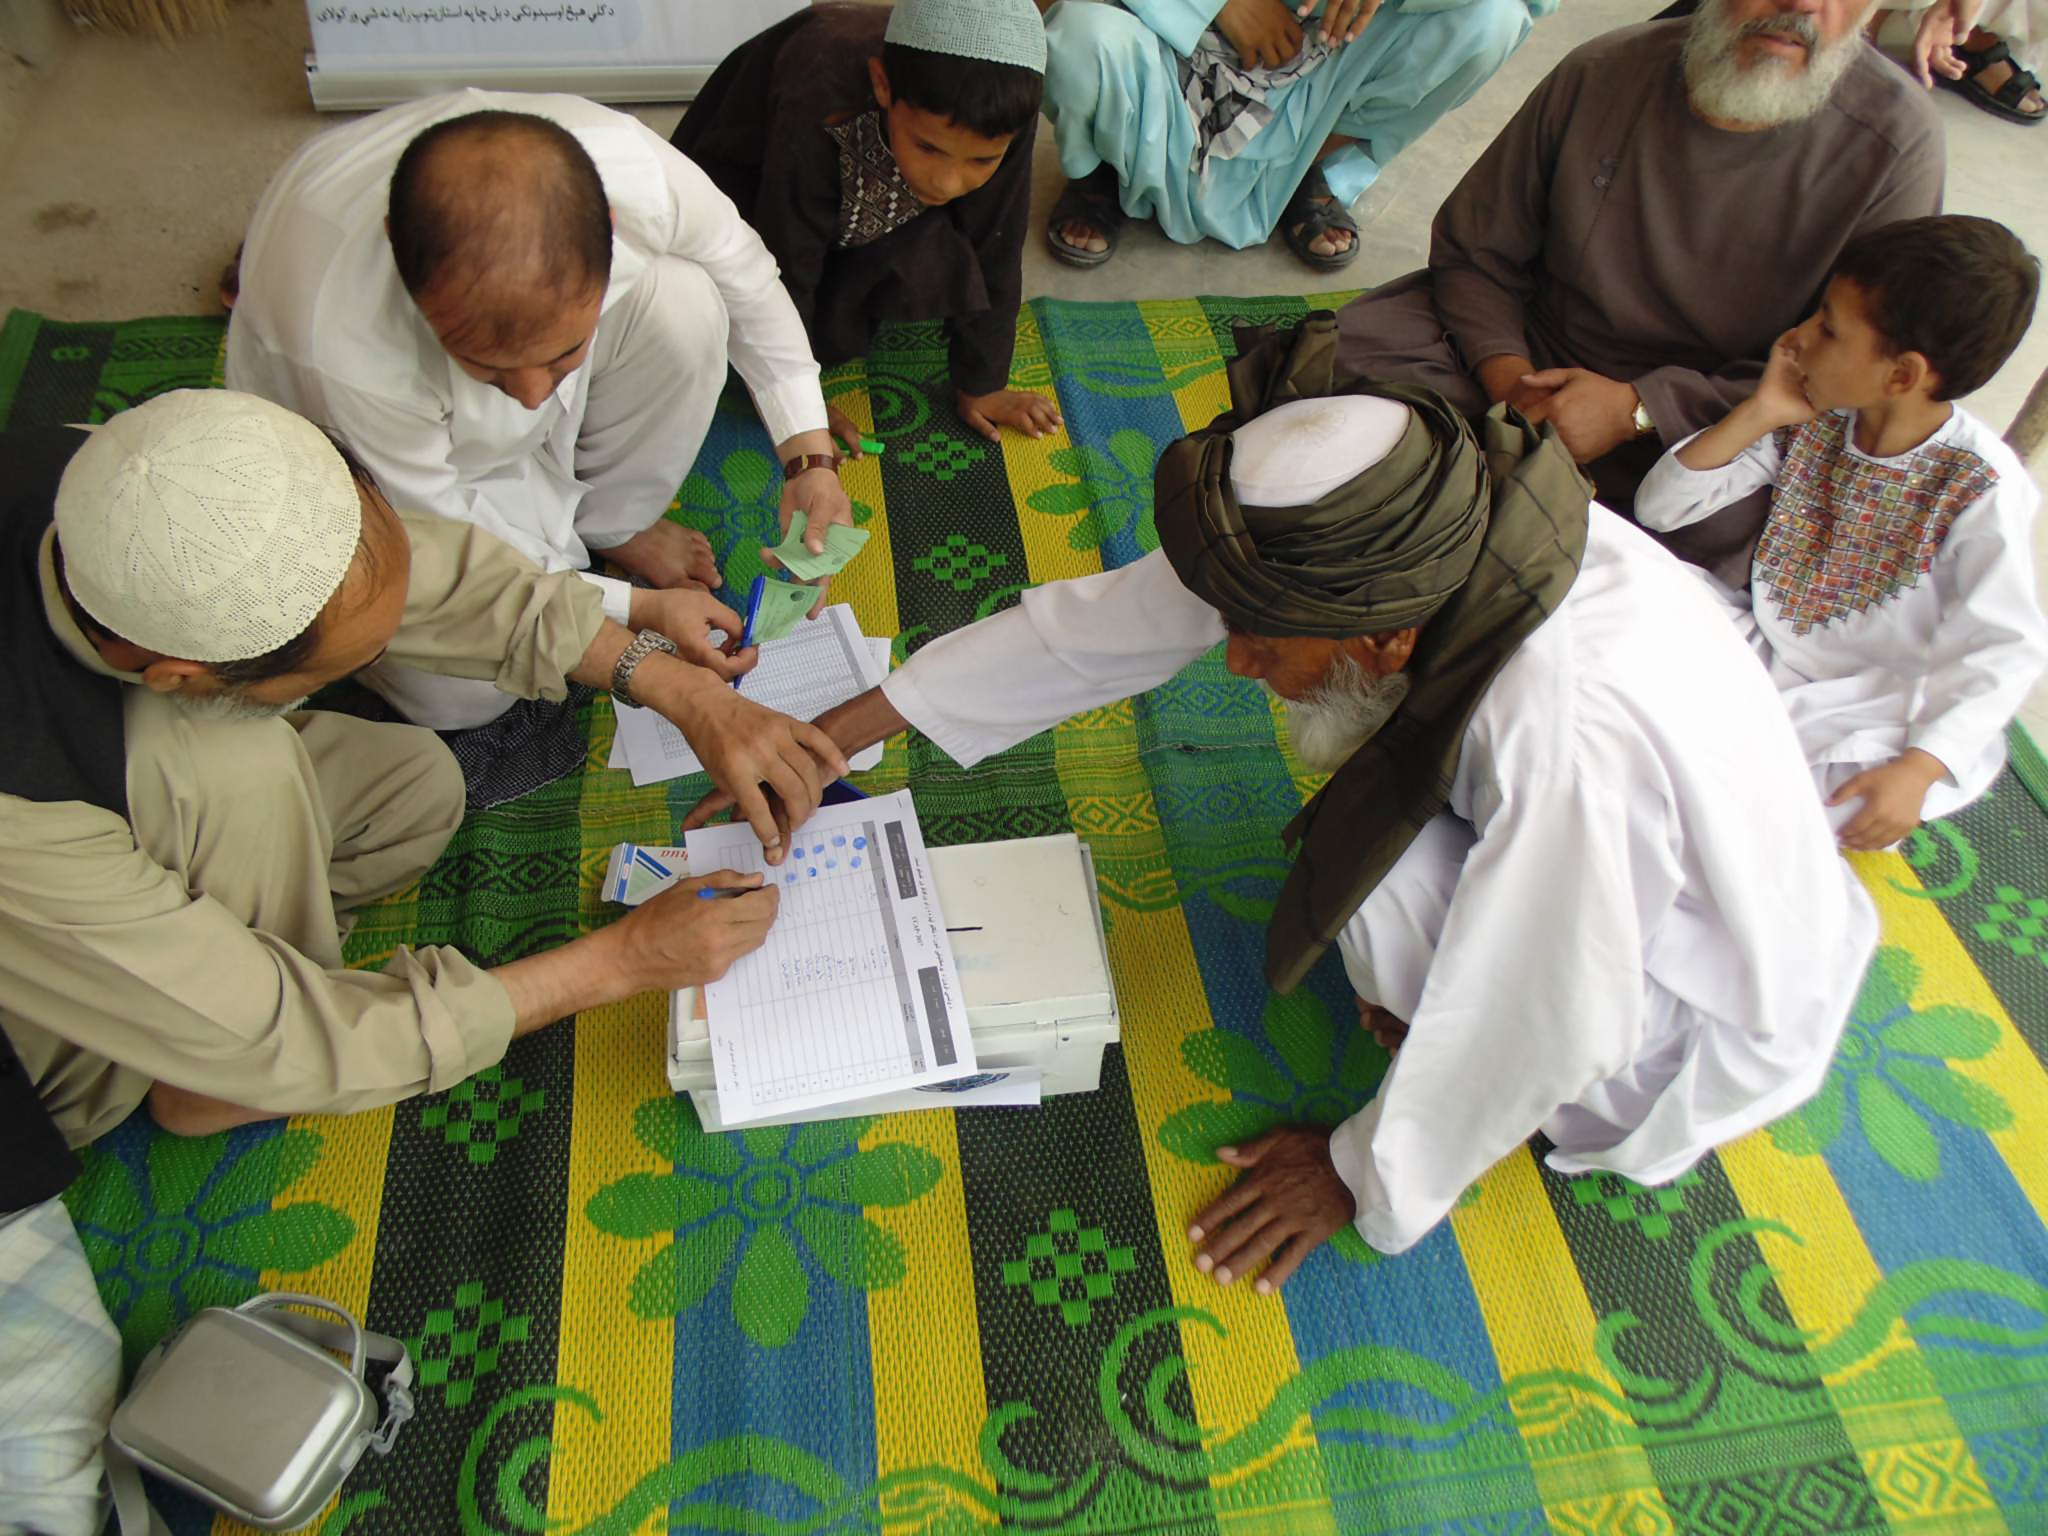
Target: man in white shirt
[(1577, 941), (519, 311)]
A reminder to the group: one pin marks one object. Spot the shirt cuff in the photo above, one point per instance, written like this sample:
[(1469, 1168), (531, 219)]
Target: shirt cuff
[(617, 596), (792, 405), (1178, 23), (1946, 749), (466, 1015), (963, 744), (1352, 1155)]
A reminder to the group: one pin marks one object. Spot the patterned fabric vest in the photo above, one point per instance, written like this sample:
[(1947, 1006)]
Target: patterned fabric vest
[(64, 742)]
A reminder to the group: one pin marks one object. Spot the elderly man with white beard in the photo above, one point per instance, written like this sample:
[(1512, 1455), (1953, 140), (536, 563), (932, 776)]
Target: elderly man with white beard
[(1553, 766), (1667, 202)]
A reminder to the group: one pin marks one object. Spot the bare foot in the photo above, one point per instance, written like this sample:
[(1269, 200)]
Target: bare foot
[(1082, 237), (667, 555), (1386, 1030)]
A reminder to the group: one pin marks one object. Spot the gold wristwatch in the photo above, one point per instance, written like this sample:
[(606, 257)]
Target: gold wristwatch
[(642, 646), (1641, 418)]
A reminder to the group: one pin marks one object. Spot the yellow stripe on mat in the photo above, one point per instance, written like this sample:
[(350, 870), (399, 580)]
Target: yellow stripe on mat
[(924, 1335), (349, 1178), (869, 583), (626, 1363), (1889, 1403), (1540, 1321)]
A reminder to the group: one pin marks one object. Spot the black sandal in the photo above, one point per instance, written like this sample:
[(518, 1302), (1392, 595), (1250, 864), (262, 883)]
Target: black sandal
[(2005, 101), (1306, 218), (1091, 201)]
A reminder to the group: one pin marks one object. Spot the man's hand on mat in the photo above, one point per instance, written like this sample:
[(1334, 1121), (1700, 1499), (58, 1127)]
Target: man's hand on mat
[(1592, 413), (678, 939), (688, 619), (1264, 32), (1287, 1204), (759, 757), (1343, 20), (1033, 415), (1892, 797), (1387, 1031)]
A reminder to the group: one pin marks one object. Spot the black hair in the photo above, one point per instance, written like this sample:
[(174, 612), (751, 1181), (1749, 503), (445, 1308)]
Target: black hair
[(1959, 291), (559, 213), (989, 99), (295, 653)]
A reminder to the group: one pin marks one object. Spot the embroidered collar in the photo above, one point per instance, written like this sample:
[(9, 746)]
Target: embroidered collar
[(874, 199)]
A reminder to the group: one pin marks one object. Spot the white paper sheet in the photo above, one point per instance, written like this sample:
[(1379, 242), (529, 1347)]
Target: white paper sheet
[(823, 662), (855, 993), (1010, 1088)]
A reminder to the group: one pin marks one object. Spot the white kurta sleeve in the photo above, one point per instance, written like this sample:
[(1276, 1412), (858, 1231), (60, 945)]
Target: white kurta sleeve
[(1068, 646), (1672, 496), (1535, 993), (1991, 644), (767, 340)]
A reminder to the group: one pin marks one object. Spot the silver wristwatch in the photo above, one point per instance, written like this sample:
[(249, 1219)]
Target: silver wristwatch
[(642, 646)]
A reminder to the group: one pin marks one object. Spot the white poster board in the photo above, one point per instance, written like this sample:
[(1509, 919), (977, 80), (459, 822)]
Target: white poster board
[(371, 53)]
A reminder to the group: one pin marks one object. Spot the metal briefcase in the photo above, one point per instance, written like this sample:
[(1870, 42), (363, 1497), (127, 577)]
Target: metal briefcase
[(246, 1409)]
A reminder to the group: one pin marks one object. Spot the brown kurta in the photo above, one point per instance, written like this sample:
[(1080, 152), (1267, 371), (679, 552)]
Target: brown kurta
[(758, 130), (197, 941), (1609, 228)]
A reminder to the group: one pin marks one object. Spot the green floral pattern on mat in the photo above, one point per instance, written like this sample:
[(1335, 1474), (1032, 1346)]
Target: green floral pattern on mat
[(758, 1194), (1108, 491), (943, 456), (1628, 1203), (1307, 1079), (1893, 1060), (959, 563), (2017, 921), (457, 1346), (1070, 1267), (195, 1227), (482, 1113), (738, 508)]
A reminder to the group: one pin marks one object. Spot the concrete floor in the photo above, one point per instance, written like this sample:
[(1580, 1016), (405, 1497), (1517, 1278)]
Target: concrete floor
[(127, 169)]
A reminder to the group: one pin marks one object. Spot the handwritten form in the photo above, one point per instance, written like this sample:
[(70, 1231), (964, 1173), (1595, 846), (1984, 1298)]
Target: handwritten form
[(855, 993), (822, 662)]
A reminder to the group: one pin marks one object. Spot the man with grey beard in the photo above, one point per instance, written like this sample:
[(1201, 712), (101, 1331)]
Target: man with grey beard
[(182, 845), (1667, 202), (1551, 762)]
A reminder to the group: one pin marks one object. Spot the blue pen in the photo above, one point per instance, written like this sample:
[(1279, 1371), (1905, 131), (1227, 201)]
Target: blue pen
[(754, 595)]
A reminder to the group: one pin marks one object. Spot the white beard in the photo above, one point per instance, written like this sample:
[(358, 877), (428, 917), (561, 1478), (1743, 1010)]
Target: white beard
[(1341, 713), (231, 706), (1772, 91)]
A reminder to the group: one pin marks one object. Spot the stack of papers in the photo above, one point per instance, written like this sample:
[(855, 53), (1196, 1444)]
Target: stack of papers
[(822, 662), (855, 994)]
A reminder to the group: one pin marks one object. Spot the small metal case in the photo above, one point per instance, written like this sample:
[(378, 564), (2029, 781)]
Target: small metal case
[(239, 1410)]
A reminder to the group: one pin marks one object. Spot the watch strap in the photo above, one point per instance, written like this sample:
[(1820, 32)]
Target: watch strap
[(791, 468), (638, 649)]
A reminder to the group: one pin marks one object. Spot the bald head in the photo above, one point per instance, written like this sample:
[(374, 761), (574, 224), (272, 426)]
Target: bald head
[(499, 222)]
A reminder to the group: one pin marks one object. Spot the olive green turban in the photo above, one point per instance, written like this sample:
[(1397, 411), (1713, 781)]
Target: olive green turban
[(1475, 540)]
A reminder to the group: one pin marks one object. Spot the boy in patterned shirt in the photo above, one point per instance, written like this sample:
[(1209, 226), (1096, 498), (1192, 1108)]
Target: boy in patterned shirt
[(883, 154), (1892, 591)]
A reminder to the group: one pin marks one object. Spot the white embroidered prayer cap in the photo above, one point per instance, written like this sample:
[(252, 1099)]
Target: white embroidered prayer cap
[(1000, 31), (1299, 452), (207, 525)]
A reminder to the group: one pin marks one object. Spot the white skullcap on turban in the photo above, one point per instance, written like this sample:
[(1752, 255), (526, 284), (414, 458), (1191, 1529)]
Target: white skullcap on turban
[(1300, 452), (207, 525)]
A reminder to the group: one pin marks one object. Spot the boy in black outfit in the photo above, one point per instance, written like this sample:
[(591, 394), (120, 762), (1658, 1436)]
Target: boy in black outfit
[(884, 155)]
